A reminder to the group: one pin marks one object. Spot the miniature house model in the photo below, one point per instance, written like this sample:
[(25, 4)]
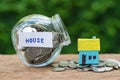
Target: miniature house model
[(88, 51)]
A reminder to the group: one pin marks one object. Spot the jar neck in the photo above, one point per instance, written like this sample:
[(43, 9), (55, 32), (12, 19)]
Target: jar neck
[(60, 27)]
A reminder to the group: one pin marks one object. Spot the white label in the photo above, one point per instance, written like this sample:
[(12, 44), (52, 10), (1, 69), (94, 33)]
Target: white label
[(35, 39)]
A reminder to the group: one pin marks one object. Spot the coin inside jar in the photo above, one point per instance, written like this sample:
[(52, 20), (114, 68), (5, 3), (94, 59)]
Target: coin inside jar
[(36, 55)]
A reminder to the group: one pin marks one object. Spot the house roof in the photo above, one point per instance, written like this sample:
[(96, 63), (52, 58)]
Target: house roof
[(88, 44)]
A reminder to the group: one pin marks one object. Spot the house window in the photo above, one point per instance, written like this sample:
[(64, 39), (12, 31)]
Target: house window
[(90, 57), (94, 57)]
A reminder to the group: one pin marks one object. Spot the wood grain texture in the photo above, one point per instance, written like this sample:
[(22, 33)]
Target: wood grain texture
[(11, 68)]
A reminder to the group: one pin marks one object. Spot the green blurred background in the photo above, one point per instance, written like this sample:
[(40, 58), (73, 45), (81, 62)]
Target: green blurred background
[(83, 19)]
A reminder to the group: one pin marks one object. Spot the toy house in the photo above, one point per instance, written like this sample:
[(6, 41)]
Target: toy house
[(88, 51)]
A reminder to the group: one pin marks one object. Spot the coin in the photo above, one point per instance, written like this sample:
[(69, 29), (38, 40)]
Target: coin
[(108, 68), (72, 65), (87, 69), (63, 63), (58, 69), (29, 29), (55, 65), (101, 60), (111, 64), (37, 54), (67, 68), (75, 61), (115, 61), (39, 27), (79, 69), (98, 69), (82, 66), (116, 67)]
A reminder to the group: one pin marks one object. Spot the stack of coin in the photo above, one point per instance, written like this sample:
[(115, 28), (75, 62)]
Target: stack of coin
[(64, 65), (103, 66)]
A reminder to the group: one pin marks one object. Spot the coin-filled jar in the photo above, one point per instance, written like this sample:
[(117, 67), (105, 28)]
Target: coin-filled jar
[(38, 39)]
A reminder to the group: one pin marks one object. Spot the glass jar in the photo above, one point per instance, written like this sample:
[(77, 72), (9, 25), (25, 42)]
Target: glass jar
[(40, 56)]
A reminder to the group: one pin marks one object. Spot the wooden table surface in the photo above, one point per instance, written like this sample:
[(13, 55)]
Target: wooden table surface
[(11, 68)]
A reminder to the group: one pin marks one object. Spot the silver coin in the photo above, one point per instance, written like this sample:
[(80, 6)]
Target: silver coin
[(39, 27), (87, 69), (29, 29), (63, 63), (72, 65), (78, 69), (96, 69), (55, 65), (42, 59), (67, 68), (37, 55), (71, 61), (111, 64), (115, 61), (82, 66), (99, 65), (58, 69), (116, 67), (101, 60), (75, 61), (108, 68)]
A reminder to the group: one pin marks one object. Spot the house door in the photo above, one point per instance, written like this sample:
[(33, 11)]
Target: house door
[(83, 59)]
